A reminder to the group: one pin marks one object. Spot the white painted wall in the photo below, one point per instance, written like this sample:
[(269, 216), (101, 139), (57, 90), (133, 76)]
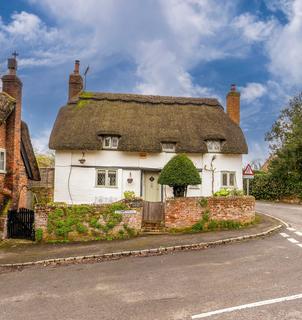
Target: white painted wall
[(76, 183)]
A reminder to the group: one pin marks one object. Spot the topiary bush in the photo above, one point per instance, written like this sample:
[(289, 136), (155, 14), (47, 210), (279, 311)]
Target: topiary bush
[(179, 173)]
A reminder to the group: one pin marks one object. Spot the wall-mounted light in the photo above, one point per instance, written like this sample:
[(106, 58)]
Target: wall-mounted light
[(82, 160), (130, 179)]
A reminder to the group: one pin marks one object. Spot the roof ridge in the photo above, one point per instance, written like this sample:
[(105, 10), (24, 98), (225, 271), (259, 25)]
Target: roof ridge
[(153, 99)]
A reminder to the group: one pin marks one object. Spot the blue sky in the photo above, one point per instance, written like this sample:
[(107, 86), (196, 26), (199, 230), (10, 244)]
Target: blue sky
[(166, 47)]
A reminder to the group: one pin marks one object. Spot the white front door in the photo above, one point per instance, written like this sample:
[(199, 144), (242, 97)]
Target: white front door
[(152, 190)]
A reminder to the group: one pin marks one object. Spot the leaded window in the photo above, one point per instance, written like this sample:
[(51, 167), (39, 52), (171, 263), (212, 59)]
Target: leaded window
[(106, 178)]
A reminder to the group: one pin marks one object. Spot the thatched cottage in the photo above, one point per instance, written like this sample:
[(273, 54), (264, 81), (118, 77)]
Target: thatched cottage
[(18, 164), (108, 143)]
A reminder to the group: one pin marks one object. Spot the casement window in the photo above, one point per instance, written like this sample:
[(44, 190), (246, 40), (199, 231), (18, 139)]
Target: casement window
[(106, 178), (168, 146), (228, 179), (214, 145), (110, 142), (2, 160)]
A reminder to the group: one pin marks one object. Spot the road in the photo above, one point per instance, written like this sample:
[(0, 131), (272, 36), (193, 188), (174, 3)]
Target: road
[(183, 285)]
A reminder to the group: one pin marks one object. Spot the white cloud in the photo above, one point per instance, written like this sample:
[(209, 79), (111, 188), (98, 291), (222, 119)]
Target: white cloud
[(40, 141), (253, 91), (258, 152), (254, 29), (285, 48), (165, 40)]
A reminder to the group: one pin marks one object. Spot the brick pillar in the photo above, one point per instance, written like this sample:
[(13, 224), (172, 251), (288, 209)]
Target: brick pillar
[(75, 82), (233, 104), (12, 85)]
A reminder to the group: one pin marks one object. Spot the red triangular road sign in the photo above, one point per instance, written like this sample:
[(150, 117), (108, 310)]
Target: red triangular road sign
[(248, 171)]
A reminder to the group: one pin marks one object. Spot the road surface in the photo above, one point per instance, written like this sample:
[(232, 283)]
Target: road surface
[(259, 279)]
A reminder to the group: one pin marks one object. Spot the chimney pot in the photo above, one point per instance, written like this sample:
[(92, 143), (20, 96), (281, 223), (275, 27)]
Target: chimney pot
[(12, 66), (233, 87), (77, 67), (75, 82)]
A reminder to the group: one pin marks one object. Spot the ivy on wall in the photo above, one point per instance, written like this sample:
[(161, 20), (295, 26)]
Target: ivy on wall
[(80, 222)]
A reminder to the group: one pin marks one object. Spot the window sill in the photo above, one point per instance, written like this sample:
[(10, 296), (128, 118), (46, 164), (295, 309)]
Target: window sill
[(106, 187)]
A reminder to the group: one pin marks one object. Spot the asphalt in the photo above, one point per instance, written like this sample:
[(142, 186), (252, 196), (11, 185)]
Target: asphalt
[(175, 286), (16, 252)]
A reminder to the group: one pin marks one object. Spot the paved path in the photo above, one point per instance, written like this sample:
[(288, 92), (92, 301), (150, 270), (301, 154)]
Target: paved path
[(34, 252), (292, 214), (263, 277)]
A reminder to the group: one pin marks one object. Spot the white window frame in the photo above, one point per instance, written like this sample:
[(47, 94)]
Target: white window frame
[(107, 184), (111, 146), (3, 170), (211, 143), (228, 185), (165, 146)]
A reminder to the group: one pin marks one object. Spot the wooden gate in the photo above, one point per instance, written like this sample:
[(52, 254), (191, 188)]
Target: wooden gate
[(153, 212), (20, 224)]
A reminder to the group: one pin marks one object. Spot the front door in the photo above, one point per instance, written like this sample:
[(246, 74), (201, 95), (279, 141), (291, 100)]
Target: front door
[(152, 190)]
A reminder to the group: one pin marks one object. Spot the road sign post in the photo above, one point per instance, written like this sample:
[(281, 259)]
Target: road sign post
[(248, 174)]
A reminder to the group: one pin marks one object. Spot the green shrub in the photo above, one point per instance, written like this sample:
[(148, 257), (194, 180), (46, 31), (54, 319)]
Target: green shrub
[(206, 216), (213, 225), (39, 235), (129, 195), (94, 223), (203, 202), (236, 192), (178, 173), (81, 228), (222, 193), (198, 226)]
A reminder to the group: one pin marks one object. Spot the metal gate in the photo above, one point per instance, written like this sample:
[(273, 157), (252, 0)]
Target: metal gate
[(20, 224), (153, 212)]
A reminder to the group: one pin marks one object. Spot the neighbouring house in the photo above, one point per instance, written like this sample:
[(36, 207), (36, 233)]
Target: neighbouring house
[(109, 143), (17, 159)]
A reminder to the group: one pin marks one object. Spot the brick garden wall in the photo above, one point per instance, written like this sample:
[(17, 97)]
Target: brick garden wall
[(133, 220), (184, 212)]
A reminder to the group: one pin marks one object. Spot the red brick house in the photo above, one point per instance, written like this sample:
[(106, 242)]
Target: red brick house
[(18, 164)]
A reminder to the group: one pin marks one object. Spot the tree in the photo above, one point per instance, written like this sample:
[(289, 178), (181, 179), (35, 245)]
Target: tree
[(285, 140), (178, 173), (45, 160)]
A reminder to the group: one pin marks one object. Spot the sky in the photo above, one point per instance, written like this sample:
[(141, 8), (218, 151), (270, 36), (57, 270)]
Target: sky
[(166, 47)]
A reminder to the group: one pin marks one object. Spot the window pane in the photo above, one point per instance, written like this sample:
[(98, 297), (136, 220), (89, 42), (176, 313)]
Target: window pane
[(101, 178), (112, 178), (114, 142), (2, 160), (232, 179), (213, 145), (225, 179), (107, 142), (168, 147)]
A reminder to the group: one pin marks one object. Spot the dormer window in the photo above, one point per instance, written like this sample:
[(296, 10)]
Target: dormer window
[(168, 146), (110, 142), (214, 145)]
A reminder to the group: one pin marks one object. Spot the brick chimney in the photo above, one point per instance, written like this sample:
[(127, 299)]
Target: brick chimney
[(75, 82), (12, 85), (233, 104)]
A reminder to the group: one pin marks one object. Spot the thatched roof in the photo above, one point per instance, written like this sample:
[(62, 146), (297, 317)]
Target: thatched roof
[(28, 155), (7, 104), (143, 122)]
